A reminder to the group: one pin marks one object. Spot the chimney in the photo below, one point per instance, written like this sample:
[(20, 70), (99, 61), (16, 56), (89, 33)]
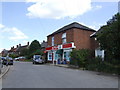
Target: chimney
[(17, 46), (28, 43)]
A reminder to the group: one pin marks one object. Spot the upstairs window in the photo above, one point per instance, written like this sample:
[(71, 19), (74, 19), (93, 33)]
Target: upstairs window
[(64, 38), (52, 41)]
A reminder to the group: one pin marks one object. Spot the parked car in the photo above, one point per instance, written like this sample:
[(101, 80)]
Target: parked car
[(7, 61), (21, 58), (10, 61), (37, 59), (4, 60), (16, 59)]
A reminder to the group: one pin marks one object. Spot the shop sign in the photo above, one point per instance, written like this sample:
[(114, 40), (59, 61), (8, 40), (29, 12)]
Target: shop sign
[(49, 48), (69, 45), (52, 48), (59, 46), (55, 48)]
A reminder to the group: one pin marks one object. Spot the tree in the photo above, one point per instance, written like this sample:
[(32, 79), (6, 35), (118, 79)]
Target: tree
[(35, 45), (109, 38), (24, 52), (13, 55), (35, 48)]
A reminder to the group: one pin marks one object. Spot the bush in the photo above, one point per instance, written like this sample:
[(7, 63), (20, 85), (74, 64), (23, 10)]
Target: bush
[(79, 57), (13, 55), (96, 64)]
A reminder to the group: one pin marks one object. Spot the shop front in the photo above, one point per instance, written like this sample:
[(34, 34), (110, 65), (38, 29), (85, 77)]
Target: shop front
[(60, 54)]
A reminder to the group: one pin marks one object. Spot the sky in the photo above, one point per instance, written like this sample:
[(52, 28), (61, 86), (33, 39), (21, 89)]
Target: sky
[(27, 20)]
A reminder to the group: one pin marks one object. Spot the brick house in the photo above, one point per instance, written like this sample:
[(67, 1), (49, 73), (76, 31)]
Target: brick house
[(18, 49), (69, 37)]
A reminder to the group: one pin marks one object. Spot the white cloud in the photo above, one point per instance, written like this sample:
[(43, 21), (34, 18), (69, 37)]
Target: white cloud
[(57, 9), (105, 0), (1, 26), (32, 0), (98, 6), (12, 33)]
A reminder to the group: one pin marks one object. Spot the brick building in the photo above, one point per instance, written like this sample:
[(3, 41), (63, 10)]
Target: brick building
[(69, 37)]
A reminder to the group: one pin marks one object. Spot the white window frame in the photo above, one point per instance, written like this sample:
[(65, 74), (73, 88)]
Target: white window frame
[(50, 53), (52, 41), (99, 53), (64, 38)]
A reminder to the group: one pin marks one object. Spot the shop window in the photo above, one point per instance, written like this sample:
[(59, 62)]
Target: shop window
[(64, 38), (67, 56), (50, 56)]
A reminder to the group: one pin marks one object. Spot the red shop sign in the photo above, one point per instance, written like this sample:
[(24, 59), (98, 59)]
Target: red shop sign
[(49, 48), (55, 48), (52, 48), (67, 45)]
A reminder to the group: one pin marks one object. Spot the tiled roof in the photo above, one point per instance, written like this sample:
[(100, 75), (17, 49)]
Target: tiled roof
[(72, 25)]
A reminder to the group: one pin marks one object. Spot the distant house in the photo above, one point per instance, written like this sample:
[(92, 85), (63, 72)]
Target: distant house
[(67, 38), (4, 52), (18, 49), (12, 50), (43, 45)]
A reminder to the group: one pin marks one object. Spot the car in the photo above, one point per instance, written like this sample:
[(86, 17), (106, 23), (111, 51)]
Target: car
[(16, 59), (4, 60), (10, 61), (21, 58), (37, 59), (7, 61)]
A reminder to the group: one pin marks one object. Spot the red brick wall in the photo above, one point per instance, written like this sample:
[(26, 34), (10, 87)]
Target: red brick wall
[(49, 40), (70, 35), (58, 37), (82, 39)]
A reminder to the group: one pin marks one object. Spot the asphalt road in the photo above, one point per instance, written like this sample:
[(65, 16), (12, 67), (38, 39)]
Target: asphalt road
[(27, 75)]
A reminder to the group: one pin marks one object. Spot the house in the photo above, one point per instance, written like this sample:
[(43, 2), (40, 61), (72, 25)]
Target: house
[(18, 49), (98, 51), (67, 38), (43, 45), (43, 49), (4, 52)]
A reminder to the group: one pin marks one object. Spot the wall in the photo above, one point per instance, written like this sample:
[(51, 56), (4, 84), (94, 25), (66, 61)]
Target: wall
[(82, 39), (58, 37)]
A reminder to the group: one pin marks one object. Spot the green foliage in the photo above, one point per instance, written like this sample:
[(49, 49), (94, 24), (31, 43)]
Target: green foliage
[(96, 64), (13, 55), (35, 45), (109, 38), (79, 57), (35, 48), (24, 52)]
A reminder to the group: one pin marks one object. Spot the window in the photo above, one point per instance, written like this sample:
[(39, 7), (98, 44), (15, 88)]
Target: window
[(64, 38), (50, 56), (52, 41)]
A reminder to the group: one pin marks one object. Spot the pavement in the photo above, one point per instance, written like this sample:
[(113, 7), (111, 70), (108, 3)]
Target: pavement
[(4, 70), (28, 75), (74, 67)]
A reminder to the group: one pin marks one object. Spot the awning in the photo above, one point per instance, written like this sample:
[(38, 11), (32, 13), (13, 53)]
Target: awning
[(60, 51)]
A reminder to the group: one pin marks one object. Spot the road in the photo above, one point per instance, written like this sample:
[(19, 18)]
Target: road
[(27, 75)]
